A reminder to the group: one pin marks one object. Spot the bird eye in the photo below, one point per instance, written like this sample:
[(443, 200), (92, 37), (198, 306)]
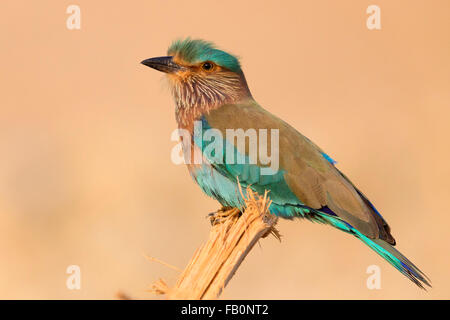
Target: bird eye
[(207, 66)]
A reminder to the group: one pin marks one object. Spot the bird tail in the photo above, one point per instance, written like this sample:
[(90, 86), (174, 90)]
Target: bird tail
[(386, 251), (397, 259)]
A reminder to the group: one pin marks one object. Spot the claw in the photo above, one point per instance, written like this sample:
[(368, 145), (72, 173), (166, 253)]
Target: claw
[(220, 215)]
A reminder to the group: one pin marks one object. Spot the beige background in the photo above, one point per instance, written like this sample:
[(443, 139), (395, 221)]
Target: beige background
[(85, 170)]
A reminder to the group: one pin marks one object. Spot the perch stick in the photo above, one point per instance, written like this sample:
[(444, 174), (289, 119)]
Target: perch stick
[(215, 262)]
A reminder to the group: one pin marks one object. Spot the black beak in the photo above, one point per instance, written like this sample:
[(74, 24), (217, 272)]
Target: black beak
[(164, 64)]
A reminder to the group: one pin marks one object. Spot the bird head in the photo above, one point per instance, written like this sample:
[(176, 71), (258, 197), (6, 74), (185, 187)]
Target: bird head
[(201, 75)]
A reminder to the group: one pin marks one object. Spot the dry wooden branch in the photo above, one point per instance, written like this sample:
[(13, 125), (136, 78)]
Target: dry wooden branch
[(230, 240)]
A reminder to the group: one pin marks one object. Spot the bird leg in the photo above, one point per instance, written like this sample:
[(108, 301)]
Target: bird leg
[(222, 214)]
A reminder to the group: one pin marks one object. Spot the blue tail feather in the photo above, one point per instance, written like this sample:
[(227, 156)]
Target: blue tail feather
[(384, 249)]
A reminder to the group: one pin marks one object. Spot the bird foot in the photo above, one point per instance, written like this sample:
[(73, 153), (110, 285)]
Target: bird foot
[(222, 214)]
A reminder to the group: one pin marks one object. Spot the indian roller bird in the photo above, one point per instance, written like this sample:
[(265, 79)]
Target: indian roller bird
[(210, 89)]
